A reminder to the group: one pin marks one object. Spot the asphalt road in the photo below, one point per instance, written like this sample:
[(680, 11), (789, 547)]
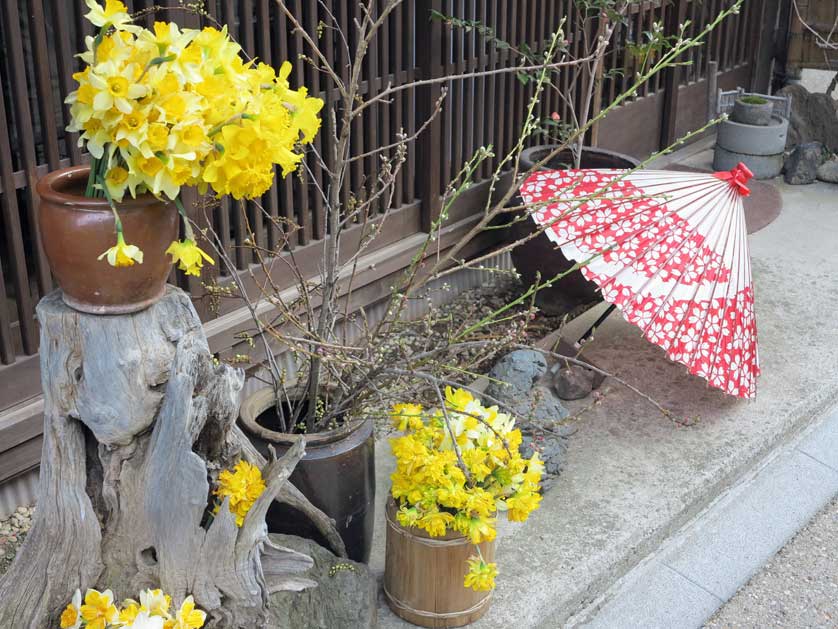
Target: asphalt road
[(796, 589)]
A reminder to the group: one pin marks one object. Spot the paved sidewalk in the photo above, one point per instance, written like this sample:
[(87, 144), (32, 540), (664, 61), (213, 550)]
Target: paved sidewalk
[(703, 565), (797, 588)]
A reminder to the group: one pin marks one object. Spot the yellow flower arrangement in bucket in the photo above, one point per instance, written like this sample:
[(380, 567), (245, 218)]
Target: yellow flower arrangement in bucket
[(456, 468), (163, 108)]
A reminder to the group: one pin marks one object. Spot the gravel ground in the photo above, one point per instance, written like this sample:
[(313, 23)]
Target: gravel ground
[(797, 589), (12, 533)]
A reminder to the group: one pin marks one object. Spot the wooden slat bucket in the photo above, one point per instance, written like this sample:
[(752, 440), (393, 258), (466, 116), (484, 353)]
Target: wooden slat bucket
[(423, 576)]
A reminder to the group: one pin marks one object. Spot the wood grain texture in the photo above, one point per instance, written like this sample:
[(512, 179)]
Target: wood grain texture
[(138, 422), (423, 576)]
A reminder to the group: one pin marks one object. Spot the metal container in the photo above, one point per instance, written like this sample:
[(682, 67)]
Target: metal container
[(337, 475), (539, 256), (76, 230)]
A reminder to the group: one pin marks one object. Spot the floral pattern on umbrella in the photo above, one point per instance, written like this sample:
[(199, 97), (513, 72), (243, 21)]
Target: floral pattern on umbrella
[(669, 249)]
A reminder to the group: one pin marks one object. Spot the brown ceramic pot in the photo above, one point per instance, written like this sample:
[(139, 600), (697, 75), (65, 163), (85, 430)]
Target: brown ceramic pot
[(76, 230)]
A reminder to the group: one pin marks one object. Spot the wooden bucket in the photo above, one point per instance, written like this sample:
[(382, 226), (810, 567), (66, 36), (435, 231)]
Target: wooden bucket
[(423, 576)]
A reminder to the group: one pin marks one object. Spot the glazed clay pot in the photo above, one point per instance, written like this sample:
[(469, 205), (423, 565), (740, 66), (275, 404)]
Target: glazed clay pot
[(76, 230), (336, 474), (539, 256)]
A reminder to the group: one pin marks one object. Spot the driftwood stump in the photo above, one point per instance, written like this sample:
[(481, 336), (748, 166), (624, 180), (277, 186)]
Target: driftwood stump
[(138, 422)]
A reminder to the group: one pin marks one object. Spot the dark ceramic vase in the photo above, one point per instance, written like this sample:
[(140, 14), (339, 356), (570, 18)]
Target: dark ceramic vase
[(539, 256), (336, 474), (76, 230)]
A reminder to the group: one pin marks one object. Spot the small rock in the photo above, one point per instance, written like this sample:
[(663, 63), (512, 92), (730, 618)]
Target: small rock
[(801, 167), (573, 382), (546, 406), (345, 597), (519, 370), (828, 171)]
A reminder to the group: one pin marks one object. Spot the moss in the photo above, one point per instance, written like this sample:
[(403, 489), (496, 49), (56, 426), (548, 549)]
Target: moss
[(753, 100)]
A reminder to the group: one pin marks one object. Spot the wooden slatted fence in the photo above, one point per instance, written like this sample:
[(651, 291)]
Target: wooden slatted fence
[(38, 39)]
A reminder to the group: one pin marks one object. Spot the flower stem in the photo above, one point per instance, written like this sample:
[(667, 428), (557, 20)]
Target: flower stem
[(91, 178), (117, 220), (187, 228)]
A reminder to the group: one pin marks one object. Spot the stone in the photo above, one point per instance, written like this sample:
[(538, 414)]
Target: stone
[(801, 167), (573, 382), (551, 449), (519, 370), (545, 406), (814, 117), (345, 597), (828, 171)]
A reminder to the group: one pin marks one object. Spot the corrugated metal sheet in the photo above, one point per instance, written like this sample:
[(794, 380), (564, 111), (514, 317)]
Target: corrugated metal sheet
[(22, 490), (18, 492)]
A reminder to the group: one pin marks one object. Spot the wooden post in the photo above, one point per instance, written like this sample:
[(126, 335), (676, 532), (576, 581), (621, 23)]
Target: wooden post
[(712, 89), (671, 79), (763, 53), (429, 144), (138, 422)]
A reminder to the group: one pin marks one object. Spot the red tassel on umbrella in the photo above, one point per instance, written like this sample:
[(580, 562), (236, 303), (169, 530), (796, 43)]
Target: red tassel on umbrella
[(670, 250)]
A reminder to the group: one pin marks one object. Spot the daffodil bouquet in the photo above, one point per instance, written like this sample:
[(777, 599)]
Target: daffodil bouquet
[(152, 611), (456, 468), (168, 107)]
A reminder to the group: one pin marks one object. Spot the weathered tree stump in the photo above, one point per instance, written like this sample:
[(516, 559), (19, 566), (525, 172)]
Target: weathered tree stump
[(138, 422)]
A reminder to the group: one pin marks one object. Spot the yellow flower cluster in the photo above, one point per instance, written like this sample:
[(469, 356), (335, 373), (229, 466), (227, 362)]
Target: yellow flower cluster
[(168, 107), (98, 611), (480, 575), (432, 490), (243, 485)]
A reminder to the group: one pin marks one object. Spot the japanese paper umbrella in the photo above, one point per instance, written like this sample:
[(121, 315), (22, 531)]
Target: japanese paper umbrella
[(670, 250)]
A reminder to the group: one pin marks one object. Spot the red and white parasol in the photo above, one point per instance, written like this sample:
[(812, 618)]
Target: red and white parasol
[(670, 250)]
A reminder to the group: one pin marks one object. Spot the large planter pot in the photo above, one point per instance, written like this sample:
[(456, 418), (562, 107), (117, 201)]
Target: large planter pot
[(539, 256), (423, 576), (758, 114), (760, 147), (76, 230), (337, 475)]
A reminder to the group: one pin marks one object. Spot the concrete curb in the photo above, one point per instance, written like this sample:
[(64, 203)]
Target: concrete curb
[(703, 565)]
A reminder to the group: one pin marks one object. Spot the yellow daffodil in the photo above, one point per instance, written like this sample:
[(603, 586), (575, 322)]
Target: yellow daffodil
[(156, 602), (169, 107), (116, 180), (458, 399), (152, 612), (187, 617), (98, 610), (480, 575), (145, 620), (404, 415), (122, 254), (190, 256), (114, 13), (129, 612), (113, 90), (71, 616), (243, 485), (522, 504), (436, 522)]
